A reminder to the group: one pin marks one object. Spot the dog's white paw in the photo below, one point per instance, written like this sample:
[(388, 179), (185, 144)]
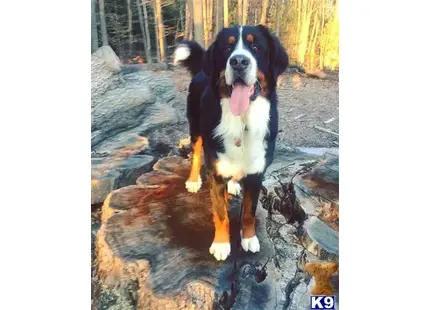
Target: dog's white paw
[(233, 187), (251, 244), (193, 187), (220, 250)]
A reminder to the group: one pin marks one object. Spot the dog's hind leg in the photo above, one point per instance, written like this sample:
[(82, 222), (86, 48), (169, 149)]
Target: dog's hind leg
[(194, 181)]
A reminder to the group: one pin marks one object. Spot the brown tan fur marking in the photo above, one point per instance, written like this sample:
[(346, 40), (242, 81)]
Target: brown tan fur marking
[(263, 82), (223, 87), (248, 220), (231, 40), (219, 199), (250, 38), (196, 163)]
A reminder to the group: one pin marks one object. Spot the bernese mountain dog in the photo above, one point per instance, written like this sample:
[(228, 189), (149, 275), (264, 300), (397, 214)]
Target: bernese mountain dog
[(233, 118)]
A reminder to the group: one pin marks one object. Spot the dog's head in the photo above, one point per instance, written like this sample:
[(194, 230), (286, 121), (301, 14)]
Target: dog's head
[(243, 63)]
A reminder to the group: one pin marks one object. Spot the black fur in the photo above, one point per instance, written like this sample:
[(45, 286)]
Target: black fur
[(194, 62), (204, 109)]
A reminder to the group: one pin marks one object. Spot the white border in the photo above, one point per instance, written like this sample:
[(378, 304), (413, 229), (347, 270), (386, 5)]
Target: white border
[(384, 176), (45, 155), (45, 125)]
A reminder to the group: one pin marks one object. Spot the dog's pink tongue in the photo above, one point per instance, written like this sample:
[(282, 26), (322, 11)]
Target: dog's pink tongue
[(239, 100)]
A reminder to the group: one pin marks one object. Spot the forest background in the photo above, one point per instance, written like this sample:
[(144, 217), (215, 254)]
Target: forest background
[(142, 31)]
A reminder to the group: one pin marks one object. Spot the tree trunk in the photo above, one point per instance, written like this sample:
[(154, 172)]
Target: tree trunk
[(333, 42), (130, 27), (157, 35), (305, 20), (147, 35), (205, 23), (198, 22), (218, 23), (239, 12), (225, 8), (142, 27), (278, 15), (139, 5), (160, 31), (312, 42), (244, 12), (321, 59), (181, 15), (210, 19), (264, 12), (103, 23), (188, 20), (94, 32)]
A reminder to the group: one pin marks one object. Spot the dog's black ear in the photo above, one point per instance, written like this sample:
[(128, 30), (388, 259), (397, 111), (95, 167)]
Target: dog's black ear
[(278, 56), (208, 65)]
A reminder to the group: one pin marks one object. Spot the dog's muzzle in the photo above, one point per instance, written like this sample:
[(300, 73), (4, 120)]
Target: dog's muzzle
[(239, 63)]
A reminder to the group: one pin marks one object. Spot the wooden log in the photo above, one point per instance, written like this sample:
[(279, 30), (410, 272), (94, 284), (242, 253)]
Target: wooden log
[(153, 248)]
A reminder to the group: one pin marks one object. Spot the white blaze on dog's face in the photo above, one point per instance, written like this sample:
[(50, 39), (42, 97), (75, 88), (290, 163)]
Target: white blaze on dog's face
[(241, 75), (246, 68)]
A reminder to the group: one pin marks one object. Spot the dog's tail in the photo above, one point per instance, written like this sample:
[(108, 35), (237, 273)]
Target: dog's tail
[(190, 55)]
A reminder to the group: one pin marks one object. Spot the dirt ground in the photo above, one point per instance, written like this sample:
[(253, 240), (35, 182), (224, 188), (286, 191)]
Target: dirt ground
[(303, 103)]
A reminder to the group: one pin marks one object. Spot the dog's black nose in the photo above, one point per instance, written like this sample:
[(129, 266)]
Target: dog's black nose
[(239, 62)]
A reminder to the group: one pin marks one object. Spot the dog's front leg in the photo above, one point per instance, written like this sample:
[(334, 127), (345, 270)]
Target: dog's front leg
[(251, 191), (194, 181), (220, 247)]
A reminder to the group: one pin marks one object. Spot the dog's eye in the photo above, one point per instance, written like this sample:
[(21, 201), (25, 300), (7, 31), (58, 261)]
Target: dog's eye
[(255, 48), (227, 49)]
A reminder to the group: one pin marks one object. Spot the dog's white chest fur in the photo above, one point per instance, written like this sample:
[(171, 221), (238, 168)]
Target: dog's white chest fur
[(243, 139)]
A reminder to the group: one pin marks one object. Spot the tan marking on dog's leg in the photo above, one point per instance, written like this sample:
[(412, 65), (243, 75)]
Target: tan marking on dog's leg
[(194, 181), (220, 247)]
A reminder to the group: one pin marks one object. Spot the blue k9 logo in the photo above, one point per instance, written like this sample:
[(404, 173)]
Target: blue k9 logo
[(322, 302)]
